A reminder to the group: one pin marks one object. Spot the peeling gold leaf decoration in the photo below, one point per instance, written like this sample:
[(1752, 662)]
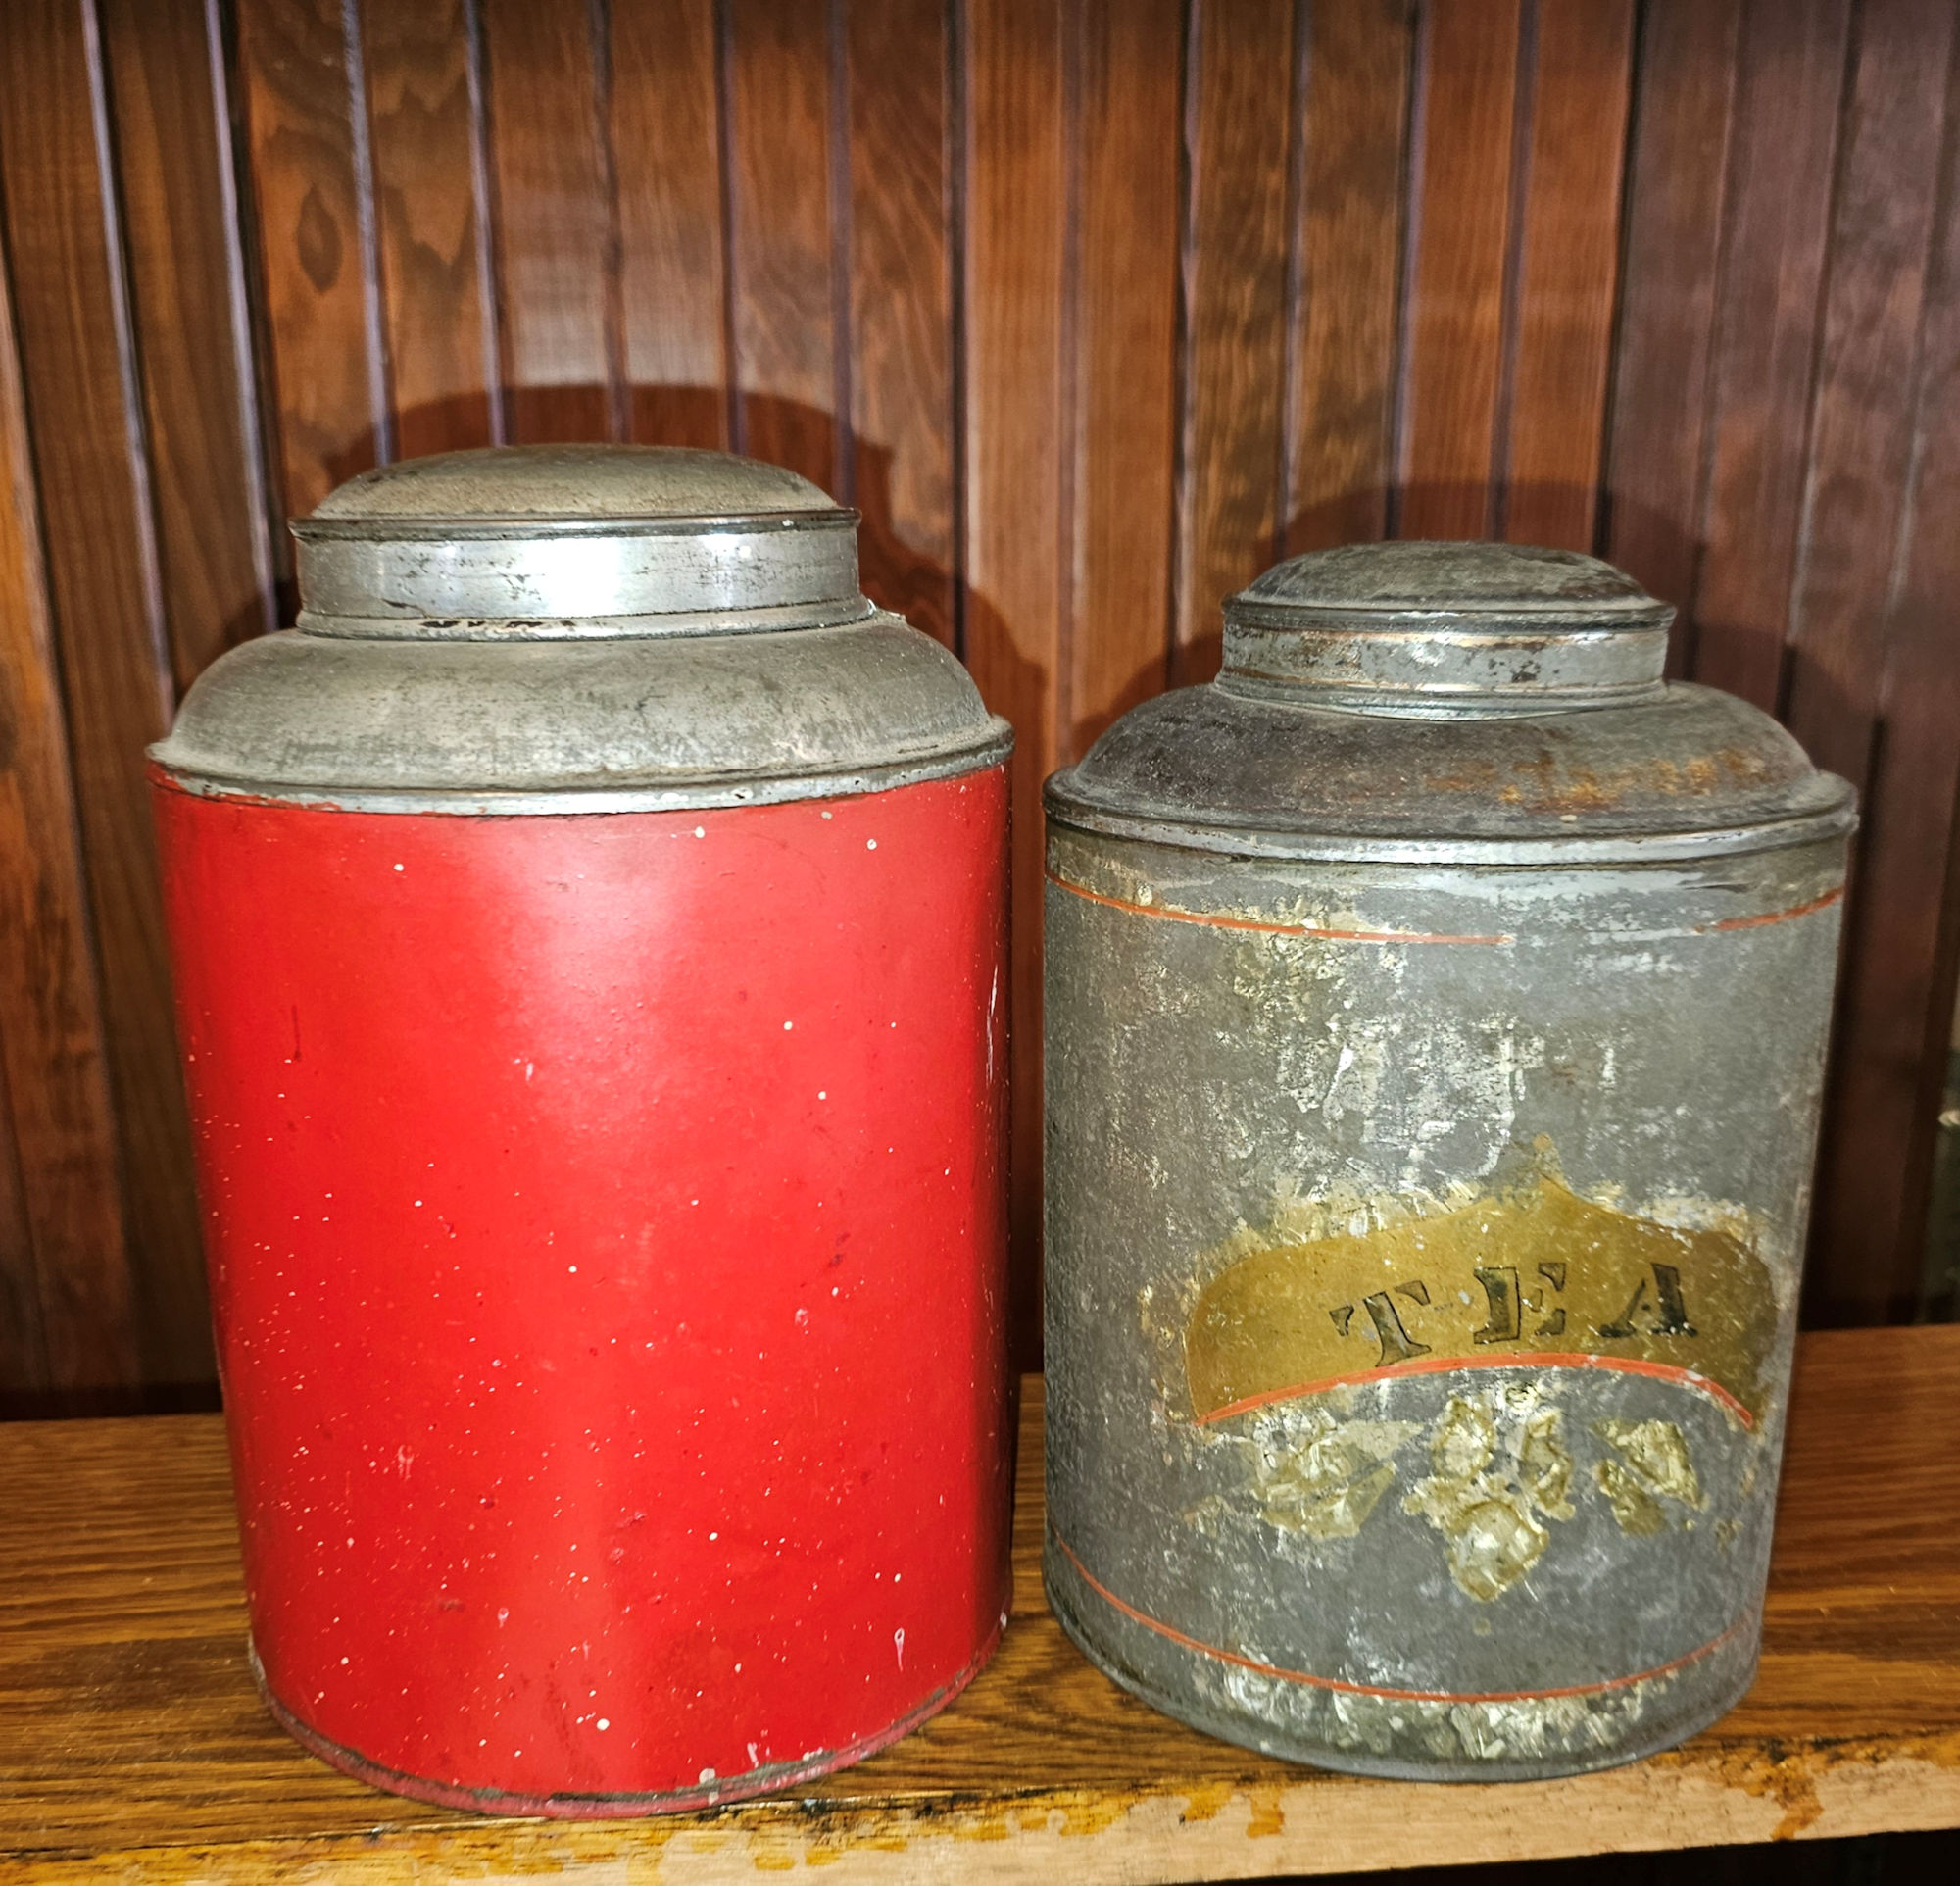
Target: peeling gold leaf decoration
[(1537, 1273)]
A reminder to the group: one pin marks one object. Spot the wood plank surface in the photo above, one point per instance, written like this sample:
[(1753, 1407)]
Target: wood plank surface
[(781, 59), (1123, 359), (1874, 687), (1782, 158), (1657, 463), (902, 420), (666, 157), (312, 190), (1460, 202), (169, 99), (1240, 92), (1015, 599), (61, 1205), (110, 1314), (422, 68), (132, 1745), (560, 328), (1347, 308), (1561, 338)]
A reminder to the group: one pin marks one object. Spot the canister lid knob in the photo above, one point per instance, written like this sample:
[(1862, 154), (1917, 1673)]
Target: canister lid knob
[(539, 542), (1431, 628)]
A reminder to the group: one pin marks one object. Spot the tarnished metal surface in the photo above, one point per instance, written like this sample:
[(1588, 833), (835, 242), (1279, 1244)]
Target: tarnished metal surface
[(659, 631), (1431, 1103)]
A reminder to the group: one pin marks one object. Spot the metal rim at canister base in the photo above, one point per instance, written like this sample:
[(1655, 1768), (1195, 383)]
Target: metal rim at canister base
[(617, 1807)]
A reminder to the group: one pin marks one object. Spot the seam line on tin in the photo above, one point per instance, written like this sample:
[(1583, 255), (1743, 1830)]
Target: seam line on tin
[(1213, 921), (1449, 1364), (1825, 902), (1344, 1688)]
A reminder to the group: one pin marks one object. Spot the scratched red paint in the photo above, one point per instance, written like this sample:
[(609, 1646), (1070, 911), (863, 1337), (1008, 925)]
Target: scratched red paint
[(606, 1227)]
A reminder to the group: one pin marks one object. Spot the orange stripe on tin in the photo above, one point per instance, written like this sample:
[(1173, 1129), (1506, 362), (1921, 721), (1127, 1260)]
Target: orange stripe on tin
[(1212, 921), (1344, 1688), (1450, 1364), (1774, 916)]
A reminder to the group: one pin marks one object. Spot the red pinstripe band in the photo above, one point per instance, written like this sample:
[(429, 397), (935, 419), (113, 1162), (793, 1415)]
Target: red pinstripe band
[(1212, 919), (1450, 1364), (1384, 1694), (1823, 902)]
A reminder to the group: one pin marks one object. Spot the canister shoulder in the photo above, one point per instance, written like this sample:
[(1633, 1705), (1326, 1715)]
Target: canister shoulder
[(1221, 771), (600, 724)]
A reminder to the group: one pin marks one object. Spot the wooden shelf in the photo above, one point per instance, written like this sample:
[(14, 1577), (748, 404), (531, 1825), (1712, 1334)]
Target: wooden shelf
[(131, 1744)]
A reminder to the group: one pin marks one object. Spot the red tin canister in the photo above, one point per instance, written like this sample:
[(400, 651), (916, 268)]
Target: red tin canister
[(589, 933)]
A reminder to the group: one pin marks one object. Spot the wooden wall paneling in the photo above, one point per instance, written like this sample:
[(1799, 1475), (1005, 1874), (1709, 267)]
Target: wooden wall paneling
[(1897, 1012), (85, 426), (899, 121), (666, 156), (556, 231), (174, 175), (1561, 338), (24, 1355), (1842, 698), (786, 145), (66, 1318), (1658, 458), (1015, 192), (1348, 237), (312, 191), (438, 305), (1240, 99), (1123, 340), (1782, 153), (1461, 210)]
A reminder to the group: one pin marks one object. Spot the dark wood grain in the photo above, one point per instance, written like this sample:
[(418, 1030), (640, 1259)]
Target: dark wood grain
[(1460, 200), (107, 1312), (173, 144), (1123, 351), (674, 273), (437, 309), (560, 329), (61, 1217), (1785, 146), (781, 63), (1873, 691), (330, 412), (132, 1744), (1347, 306), (1657, 459), (903, 422), (1239, 99), (1567, 271), (1015, 185)]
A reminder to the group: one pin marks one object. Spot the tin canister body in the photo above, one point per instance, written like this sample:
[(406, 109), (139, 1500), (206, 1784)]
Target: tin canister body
[(1425, 1215), (605, 1217)]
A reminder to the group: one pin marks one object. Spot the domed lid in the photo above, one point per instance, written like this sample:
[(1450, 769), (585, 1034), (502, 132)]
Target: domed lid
[(575, 629), (551, 540), (1429, 701), (1447, 627)]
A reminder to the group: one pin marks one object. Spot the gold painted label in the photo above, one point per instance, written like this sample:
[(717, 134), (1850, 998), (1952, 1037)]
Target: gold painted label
[(1538, 1276)]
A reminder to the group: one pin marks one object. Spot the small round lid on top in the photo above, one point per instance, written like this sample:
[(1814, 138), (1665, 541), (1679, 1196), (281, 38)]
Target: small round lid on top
[(1447, 628), (576, 540)]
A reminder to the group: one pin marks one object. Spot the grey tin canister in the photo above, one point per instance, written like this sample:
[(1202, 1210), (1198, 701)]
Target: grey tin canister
[(1435, 1015)]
